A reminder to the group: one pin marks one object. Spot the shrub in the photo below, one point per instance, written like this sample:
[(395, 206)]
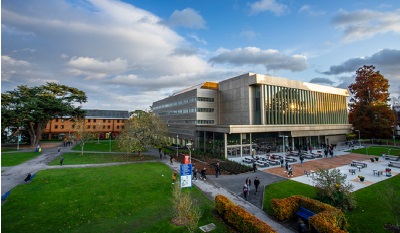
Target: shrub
[(239, 218)]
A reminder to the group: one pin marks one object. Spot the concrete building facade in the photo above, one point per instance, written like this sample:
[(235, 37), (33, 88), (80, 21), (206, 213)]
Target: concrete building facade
[(251, 112)]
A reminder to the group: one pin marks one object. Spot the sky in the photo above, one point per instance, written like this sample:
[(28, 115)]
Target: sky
[(126, 54)]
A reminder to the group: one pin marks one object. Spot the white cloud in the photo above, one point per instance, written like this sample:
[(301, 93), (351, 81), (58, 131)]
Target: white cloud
[(249, 34), (362, 24), (187, 18), (268, 5), (307, 9), (271, 59), (7, 61)]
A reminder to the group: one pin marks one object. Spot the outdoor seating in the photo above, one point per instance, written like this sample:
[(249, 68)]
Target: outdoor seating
[(274, 162), (290, 159), (308, 156), (394, 164), (393, 158), (262, 164), (352, 171), (355, 163), (304, 213)]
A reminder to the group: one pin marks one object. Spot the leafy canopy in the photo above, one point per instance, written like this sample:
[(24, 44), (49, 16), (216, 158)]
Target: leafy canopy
[(145, 130), (31, 108), (369, 109)]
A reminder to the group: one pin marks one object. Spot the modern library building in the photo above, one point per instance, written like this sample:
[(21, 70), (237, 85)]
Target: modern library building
[(255, 112)]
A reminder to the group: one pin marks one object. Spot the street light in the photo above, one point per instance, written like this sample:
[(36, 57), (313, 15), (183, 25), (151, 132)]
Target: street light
[(394, 137), (359, 139), (109, 136), (189, 145), (177, 148)]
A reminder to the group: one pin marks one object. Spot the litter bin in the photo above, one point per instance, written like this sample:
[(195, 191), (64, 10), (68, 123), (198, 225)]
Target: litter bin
[(388, 172)]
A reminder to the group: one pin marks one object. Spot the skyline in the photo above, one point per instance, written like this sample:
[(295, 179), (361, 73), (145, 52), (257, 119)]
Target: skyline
[(127, 54)]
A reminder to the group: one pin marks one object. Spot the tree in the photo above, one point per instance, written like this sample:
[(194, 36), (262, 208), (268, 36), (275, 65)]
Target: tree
[(139, 133), (369, 109), (33, 107), (333, 189), (81, 134)]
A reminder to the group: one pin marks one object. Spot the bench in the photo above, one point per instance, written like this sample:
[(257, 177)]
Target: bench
[(304, 213), (309, 156), (358, 163), (3, 197), (394, 164), (274, 162), (262, 164), (352, 171), (290, 159), (393, 158)]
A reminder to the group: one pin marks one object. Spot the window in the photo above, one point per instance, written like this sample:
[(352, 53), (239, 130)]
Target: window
[(88, 127), (104, 121), (62, 126), (104, 126), (108, 127), (56, 126), (88, 120), (117, 121), (117, 126), (94, 120), (109, 121)]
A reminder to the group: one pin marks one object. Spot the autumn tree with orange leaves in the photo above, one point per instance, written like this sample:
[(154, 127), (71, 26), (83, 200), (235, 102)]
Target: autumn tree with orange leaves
[(369, 109)]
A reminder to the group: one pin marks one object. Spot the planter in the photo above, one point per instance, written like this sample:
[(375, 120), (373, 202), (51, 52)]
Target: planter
[(362, 179), (372, 160), (376, 158)]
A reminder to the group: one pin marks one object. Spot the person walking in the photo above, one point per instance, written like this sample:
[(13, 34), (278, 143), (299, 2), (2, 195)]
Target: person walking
[(171, 160), (195, 174), (203, 173), (290, 171), (281, 160), (217, 170), (173, 177), (254, 167), (286, 166), (61, 161), (248, 182), (245, 191), (59, 150), (301, 160), (256, 184)]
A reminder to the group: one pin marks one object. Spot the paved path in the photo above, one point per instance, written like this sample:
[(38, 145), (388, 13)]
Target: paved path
[(227, 185)]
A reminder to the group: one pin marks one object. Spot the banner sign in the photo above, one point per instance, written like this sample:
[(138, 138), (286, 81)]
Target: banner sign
[(186, 175)]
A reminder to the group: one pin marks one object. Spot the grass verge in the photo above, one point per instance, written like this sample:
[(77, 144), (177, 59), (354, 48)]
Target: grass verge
[(126, 198), (73, 158), (15, 158)]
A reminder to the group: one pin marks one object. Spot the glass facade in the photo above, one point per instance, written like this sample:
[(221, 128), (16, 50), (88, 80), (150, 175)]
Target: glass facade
[(285, 105)]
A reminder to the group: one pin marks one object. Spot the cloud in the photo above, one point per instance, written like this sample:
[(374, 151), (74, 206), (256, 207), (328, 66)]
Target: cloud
[(362, 24), (7, 61), (386, 59), (187, 18), (268, 5), (307, 9), (321, 81), (271, 59), (249, 34), (184, 51)]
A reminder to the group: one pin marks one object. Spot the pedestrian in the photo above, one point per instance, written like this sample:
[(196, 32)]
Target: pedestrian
[(203, 173), (171, 160), (195, 174), (254, 167), (61, 160), (290, 171), (311, 149), (256, 184), (217, 170), (286, 166), (331, 152), (301, 160), (302, 227), (28, 178), (245, 191), (59, 150), (281, 160), (248, 182), (173, 177)]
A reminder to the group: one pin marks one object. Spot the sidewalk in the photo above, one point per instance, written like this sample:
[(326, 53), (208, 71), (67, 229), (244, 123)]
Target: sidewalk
[(212, 187)]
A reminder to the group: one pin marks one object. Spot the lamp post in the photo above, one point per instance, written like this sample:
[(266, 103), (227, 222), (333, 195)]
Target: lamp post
[(110, 140), (359, 139), (189, 145), (394, 137), (177, 148)]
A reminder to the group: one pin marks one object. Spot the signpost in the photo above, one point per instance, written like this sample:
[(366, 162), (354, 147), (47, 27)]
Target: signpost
[(186, 175)]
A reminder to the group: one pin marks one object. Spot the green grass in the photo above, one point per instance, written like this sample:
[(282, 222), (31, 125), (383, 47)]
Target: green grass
[(15, 158), (102, 145), (285, 189), (126, 198), (73, 158), (370, 215), (377, 150)]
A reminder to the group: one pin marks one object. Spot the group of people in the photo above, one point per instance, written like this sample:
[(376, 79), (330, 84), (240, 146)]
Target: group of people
[(247, 186)]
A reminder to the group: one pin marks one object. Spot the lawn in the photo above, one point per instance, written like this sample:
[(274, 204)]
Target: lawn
[(15, 158), (72, 158), (125, 198), (370, 215), (94, 145), (377, 150)]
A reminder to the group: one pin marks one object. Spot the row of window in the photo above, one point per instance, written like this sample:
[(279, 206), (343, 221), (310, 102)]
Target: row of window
[(192, 122), (183, 111), (185, 101), (91, 120), (89, 127)]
